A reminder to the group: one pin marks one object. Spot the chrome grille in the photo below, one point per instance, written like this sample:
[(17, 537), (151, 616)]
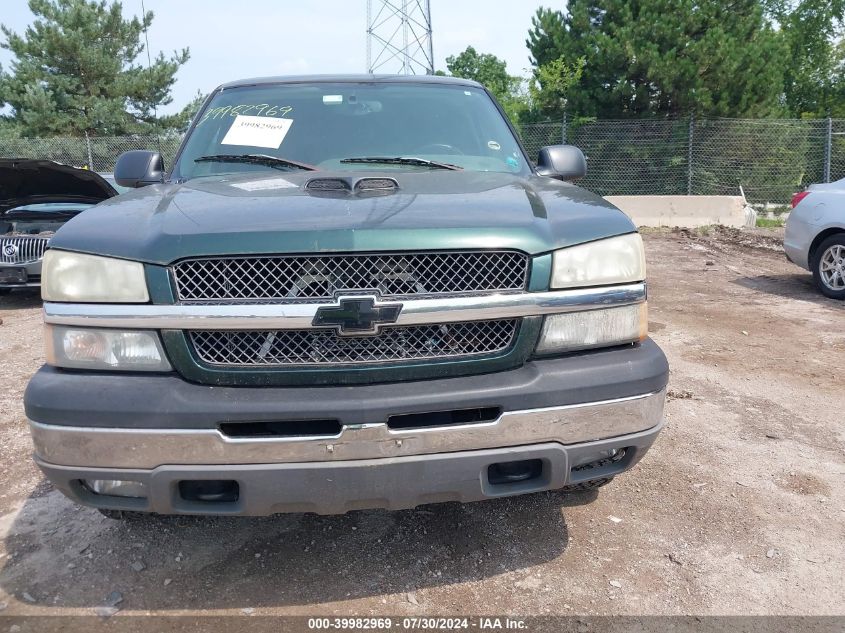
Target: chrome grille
[(326, 347), (21, 249), (318, 277)]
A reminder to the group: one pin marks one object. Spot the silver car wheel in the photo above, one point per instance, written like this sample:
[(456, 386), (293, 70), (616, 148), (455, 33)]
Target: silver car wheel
[(832, 267)]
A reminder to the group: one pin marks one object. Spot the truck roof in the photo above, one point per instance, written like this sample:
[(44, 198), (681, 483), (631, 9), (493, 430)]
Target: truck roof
[(353, 78)]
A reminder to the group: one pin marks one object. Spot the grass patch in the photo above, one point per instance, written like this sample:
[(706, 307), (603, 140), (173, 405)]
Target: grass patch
[(770, 223), (703, 231)]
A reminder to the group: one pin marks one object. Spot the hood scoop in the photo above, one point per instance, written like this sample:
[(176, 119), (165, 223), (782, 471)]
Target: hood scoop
[(333, 186), (380, 185), (328, 184)]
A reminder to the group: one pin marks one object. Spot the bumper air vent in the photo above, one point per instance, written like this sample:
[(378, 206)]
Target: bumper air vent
[(293, 428), (435, 419)]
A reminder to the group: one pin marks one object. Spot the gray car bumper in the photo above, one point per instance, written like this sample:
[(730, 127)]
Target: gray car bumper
[(798, 237), (30, 272)]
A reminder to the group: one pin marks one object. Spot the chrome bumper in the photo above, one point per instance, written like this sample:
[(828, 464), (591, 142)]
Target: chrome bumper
[(95, 447), (339, 486)]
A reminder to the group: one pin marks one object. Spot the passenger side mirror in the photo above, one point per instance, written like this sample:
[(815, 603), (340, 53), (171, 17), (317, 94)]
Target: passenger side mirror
[(563, 162), (139, 168)]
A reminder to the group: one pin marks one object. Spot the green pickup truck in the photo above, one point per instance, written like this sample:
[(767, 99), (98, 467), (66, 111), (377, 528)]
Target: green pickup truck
[(347, 292)]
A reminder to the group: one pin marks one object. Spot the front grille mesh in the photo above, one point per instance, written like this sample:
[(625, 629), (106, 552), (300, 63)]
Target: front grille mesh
[(326, 347), (319, 277), (22, 249)]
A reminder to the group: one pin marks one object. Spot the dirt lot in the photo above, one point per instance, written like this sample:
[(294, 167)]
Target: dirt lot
[(739, 508)]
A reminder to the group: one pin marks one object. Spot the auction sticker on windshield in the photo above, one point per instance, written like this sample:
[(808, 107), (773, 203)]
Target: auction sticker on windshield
[(257, 131), (264, 185)]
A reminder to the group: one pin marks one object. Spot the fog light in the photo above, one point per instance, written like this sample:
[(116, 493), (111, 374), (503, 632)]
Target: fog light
[(116, 487), (601, 459), (87, 348), (593, 328)]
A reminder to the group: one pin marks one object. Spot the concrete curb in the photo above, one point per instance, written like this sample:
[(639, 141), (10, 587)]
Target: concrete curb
[(684, 211)]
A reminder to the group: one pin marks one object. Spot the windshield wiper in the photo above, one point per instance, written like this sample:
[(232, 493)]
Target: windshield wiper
[(401, 160), (256, 159)]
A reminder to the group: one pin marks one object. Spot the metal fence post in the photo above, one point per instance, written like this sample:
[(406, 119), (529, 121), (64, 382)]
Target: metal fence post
[(827, 149), (88, 147), (689, 154), (563, 126)]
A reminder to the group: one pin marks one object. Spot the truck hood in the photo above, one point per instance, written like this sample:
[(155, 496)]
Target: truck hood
[(274, 212), (24, 181)]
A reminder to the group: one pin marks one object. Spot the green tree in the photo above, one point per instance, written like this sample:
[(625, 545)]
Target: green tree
[(552, 84), (547, 37), (75, 71), (484, 68), (665, 57), (837, 100), (491, 72), (7, 123), (814, 82), (180, 121)]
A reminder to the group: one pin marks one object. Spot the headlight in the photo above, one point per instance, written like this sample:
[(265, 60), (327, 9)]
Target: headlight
[(573, 331), (89, 348), (616, 260), (67, 276)]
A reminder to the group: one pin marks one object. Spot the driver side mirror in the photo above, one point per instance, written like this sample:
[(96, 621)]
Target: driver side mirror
[(139, 168), (563, 162)]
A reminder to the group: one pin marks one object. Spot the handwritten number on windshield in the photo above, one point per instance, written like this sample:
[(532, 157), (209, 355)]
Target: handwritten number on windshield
[(258, 109)]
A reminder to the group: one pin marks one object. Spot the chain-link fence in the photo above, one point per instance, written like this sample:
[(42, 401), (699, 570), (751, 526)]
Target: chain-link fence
[(837, 149), (768, 158), (95, 152)]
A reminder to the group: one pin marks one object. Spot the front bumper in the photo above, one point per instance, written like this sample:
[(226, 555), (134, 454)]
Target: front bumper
[(150, 448), (160, 430), (393, 483)]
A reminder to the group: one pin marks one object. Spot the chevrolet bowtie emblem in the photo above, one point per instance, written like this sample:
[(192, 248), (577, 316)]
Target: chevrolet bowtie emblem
[(357, 316)]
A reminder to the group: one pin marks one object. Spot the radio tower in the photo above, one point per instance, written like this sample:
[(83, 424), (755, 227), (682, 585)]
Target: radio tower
[(399, 37)]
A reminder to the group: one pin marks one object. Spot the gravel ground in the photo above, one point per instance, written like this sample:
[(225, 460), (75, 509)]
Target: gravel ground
[(739, 508)]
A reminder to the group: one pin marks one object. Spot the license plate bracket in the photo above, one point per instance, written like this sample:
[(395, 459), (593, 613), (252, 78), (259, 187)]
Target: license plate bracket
[(12, 275)]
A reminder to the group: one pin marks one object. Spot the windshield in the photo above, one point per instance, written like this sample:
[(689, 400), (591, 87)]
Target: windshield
[(323, 125)]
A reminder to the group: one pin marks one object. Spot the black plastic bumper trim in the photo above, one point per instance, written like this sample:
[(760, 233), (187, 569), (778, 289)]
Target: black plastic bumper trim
[(166, 401)]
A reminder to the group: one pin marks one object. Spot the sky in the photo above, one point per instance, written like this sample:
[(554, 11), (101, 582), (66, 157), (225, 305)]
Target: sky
[(232, 40)]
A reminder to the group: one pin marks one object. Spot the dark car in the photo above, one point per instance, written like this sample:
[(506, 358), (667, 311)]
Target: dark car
[(36, 198), (347, 292)]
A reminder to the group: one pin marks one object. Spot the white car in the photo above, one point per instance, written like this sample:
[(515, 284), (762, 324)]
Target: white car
[(815, 235)]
